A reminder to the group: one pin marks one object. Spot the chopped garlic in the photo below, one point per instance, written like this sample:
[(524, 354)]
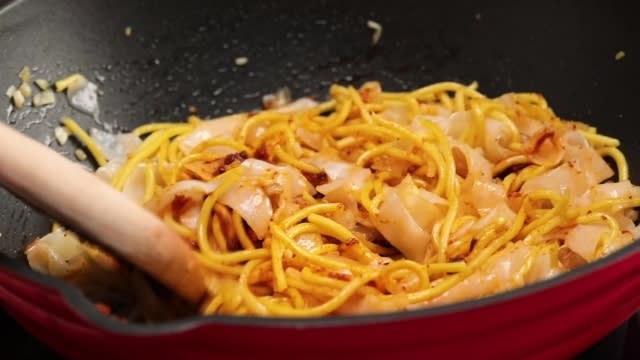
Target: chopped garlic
[(25, 89), (42, 84), (10, 90), (377, 31), (46, 97), (128, 31), (18, 99), (243, 60), (620, 55), (63, 84), (61, 134), (80, 154), (25, 74)]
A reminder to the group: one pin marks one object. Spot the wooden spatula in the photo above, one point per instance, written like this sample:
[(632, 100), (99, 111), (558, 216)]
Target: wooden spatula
[(78, 199)]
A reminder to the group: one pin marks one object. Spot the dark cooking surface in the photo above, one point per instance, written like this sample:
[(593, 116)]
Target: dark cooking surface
[(182, 54)]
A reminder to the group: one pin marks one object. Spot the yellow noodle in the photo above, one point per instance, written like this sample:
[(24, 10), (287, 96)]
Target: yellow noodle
[(149, 182), (238, 224), (289, 159), (91, 145), (178, 227), (619, 158)]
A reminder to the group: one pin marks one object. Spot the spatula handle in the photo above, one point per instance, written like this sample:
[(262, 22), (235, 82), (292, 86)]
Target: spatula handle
[(77, 198)]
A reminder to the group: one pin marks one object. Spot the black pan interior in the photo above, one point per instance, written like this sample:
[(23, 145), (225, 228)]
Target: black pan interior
[(181, 54)]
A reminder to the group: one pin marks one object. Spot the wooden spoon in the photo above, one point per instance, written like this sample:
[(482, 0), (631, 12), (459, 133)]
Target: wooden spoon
[(77, 198)]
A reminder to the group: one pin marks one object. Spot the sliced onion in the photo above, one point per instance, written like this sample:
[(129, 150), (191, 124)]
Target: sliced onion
[(59, 254)]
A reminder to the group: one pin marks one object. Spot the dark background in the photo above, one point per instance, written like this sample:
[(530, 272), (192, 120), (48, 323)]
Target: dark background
[(181, 54)]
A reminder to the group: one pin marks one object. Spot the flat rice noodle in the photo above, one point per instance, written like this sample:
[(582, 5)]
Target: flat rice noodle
[(625, 221), (134, 186), (581, 155), (395, 221), (455, 125), (542, 268), (583, 239), (373, 304), (250, 195), (611, 190), (526, 126), (501, 210), (397, 114), (309, 138), (190, 216), (564, 179), (286, 177), (495, 276), (470, 162), (301, 104), (425, 207), (545, 147), (191, 189), (441, 119), (341, 174), (486, 196), (252, 204), (495, 140), (226, 127), (619, 242), (615, 190)]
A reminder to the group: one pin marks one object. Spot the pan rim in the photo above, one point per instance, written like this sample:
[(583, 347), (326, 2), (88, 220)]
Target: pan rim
[(76, 300)]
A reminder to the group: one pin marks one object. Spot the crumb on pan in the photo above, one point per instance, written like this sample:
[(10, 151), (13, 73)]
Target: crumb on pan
[(18, 99), (25, 74), (242, 60), (61, 134), (25, 89), (42, 84), (80, 154), (43, 98), (10, 90), (377, 31)]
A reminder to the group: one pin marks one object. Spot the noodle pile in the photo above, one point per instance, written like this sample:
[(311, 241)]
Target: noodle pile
[(377, 201)]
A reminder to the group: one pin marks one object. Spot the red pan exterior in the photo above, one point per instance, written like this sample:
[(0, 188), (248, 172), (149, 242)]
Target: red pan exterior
[(552, 322)]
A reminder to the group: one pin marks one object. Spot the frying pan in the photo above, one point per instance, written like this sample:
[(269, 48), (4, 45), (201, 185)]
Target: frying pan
[(181, 54)]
